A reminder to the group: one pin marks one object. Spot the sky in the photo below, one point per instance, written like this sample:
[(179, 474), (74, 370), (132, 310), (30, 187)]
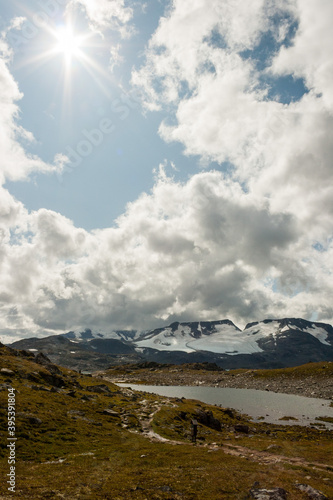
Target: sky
[(164, 160)]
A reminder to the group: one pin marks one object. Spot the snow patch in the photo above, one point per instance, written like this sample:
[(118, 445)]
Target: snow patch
[(319, 333)]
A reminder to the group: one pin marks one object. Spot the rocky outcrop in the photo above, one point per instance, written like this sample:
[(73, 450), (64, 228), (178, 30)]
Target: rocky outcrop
[(207, 418), (272, 494), (311, 492), (43, 360), (101, 389)]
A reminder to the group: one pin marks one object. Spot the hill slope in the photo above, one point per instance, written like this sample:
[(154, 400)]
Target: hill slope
[(81, 437)]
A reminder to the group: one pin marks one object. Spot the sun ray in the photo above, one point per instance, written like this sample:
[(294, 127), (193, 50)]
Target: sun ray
[(72, 50)]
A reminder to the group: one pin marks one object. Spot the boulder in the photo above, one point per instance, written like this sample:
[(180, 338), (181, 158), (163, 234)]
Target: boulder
[(7, 372), (51, 379), (264, 494), (242, 428), (34, 421), (43, 360), (111, 413), (311, 492), (207, 418), (101, 389)]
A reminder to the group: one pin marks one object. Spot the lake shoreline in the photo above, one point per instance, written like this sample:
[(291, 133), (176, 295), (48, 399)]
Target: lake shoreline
[(312, 386)]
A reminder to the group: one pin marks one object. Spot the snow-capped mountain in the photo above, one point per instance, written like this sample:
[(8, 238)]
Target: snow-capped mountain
[(88, 335), (213, 336), (268, 343), (271, 343), (224, 337)]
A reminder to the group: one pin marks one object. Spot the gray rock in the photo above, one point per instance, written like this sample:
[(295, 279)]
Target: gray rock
[(39, 388), (43, 360), (6, 371), (311, 492), (101, 389), (242, 428), (87, 398), (34, 421), (110, 412), (5, 387), (53, 380), (207, 418), (264, 494)]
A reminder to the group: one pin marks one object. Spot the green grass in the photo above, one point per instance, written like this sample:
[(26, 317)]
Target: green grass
[(322, 369)]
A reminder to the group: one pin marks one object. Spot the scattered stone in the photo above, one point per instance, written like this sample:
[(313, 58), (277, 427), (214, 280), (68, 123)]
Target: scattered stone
[(76, 413), (35, 421), (101, 389), (242, 428), (39, 388), (273, 494), (87, 398), (166, 489), (53, 380), (110, 412), (311, 492), (33, 376), (5, 387), (7, 372), (229, 412)]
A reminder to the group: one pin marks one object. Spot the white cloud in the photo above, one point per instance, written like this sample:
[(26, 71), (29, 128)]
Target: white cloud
[(105, 14), (223, 112), (310, 54)]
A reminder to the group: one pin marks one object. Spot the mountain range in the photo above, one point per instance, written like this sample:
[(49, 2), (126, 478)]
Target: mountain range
[(271, 343)]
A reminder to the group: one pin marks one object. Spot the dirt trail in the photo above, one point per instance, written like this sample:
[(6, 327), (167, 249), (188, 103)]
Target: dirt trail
[(262, 457), (266, 458)]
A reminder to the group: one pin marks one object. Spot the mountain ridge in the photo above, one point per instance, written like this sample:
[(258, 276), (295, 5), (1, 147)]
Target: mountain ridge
[(268, 343)]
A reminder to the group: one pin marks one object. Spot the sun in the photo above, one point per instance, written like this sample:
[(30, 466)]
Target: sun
[(68, 43)]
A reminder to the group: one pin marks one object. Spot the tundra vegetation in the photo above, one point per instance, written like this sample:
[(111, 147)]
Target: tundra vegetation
[(84, 437)]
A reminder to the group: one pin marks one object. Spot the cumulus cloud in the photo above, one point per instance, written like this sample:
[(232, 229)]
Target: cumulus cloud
[(310, 56), (205, 62), (204, 58), (106, 14), (201, 248)]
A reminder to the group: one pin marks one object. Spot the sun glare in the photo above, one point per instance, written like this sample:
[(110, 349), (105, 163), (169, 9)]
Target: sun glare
[(68, 43)]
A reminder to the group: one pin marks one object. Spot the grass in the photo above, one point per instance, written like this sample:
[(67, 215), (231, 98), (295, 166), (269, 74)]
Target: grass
[(77, 450), (322, 369)]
